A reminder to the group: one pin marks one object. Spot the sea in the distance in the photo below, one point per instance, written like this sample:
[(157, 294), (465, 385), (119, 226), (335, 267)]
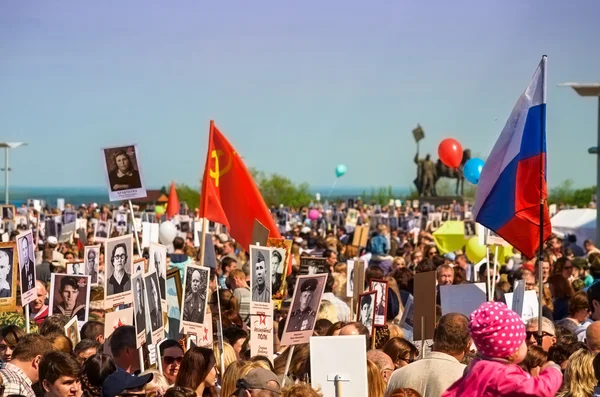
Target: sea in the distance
[(99, 195)]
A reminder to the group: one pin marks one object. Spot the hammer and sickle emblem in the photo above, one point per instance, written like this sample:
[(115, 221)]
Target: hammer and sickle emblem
[(218, 172)]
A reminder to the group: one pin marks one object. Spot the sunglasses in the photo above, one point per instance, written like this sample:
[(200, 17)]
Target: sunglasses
[(170, 359), (534, 334)]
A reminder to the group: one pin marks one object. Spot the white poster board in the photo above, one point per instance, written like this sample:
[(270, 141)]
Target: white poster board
[(530, 305), (462, 298), (344, 357)]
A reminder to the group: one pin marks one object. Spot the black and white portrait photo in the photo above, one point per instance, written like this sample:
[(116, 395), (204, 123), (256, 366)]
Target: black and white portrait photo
[(8, 212), (195, 294), (310, 265), (26, 266), (8, 277), (260, 274), (154, 305), (123, 173), (158, 262), (50, 228), (121, 219), (70, 296), (350, 279), (305, 306), (278, 256), (118, 269), (102, 230), (366, 313), (380, 286), (470, 229), (6, 271), (139, 305), (76, 268), (69, 216), (91, 257)]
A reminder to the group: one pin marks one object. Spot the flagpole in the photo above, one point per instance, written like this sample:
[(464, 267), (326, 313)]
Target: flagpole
[(542, 174)]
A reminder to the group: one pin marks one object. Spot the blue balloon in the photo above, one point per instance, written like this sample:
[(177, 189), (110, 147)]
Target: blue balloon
[(340, 170), (472, 170)]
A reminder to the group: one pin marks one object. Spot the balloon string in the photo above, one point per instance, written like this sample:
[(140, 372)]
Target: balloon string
[(332, 187)]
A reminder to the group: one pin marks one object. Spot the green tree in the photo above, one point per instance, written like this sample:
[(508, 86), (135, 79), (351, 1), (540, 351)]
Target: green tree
[(566, 194), (277, 189), (382, 196)]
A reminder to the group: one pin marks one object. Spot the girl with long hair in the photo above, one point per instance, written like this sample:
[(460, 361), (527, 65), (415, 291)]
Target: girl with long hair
[(198, 372)]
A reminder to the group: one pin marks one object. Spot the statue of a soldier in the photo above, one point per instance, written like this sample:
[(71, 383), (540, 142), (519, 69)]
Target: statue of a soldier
[(426, 176)]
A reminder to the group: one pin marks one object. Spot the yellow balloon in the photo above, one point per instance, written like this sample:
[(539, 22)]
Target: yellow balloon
[(475, 251), (159, 210)]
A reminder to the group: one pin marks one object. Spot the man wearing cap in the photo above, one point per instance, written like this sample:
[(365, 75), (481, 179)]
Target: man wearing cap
[(121, 382), (260, 291), (303, 318), (90, 266), (258, 382), (193, 306), (27, 265)]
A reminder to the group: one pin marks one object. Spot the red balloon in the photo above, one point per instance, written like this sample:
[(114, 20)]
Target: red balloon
[(450, 152)]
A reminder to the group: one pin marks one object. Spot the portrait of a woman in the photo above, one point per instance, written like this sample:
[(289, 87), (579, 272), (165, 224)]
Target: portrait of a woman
[(123, 175)]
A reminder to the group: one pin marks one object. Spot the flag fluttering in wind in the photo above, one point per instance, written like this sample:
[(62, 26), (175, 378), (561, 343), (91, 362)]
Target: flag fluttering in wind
[(229, 195), (512, 186), (173, 206)]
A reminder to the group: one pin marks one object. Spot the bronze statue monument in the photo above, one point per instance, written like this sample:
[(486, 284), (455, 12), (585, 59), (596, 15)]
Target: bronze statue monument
[(428, 173)]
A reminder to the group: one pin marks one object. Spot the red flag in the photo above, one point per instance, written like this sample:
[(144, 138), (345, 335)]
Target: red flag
[(173, 203), (229, 195)]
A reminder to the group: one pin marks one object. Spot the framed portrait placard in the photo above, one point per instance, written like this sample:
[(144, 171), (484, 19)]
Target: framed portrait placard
[(26, 257), (281, 261), (91, 258), (381, 286), (301, 321), (260, 274), (174, 291), (157, 261), (72, 331), (154, 306), (118, 269), (310, 265), (139, 309), (70, 296), (9, 269), (195, 295), (123, 173), (366, 310)]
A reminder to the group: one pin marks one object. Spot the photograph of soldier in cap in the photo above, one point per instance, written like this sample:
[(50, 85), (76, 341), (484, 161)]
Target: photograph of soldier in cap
[(305, 304), (260, 280)]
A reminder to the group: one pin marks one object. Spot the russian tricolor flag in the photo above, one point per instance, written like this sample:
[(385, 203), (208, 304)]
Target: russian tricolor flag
[(513, 180)]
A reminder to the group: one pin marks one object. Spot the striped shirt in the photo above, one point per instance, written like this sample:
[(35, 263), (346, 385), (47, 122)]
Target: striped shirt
[(16, 382)]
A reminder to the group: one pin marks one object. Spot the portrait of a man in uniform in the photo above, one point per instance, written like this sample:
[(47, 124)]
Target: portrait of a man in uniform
[(304, 316), (261, 274), (194, 303)]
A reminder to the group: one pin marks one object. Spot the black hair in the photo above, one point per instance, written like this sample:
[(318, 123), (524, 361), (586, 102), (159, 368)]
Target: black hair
[(55, 364), (233, 334), (168, 343), (178, 243), (68, 281), (91, 330), (123, 337), (84, 345)]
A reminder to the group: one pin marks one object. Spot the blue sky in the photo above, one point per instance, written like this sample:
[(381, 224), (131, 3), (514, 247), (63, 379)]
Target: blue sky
[(297, 87)]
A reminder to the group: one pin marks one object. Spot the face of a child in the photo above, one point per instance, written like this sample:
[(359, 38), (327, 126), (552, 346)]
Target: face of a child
[(519, 355)]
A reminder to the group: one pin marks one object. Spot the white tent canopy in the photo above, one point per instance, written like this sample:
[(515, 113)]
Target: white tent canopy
[(581, 222)]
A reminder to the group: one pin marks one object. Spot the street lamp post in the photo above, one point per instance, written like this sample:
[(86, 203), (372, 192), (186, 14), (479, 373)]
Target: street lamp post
[(7, 146), (592, 90)]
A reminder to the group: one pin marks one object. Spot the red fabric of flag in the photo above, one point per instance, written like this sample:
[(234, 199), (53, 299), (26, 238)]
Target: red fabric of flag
[(229, 195), (173, 203)]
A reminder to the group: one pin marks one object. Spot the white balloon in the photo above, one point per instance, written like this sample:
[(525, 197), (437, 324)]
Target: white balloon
[(167, 233)]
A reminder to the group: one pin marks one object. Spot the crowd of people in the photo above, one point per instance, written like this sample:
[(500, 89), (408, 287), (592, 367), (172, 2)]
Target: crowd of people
[(492, 352)]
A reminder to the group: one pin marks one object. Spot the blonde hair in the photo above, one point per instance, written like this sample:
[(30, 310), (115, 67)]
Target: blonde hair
[(158, 381), (399, 262), (300, 390), (327, 310), (341, 267), (339, 285), (376, 383), (235, 371), (229, 356), (579, 379)]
